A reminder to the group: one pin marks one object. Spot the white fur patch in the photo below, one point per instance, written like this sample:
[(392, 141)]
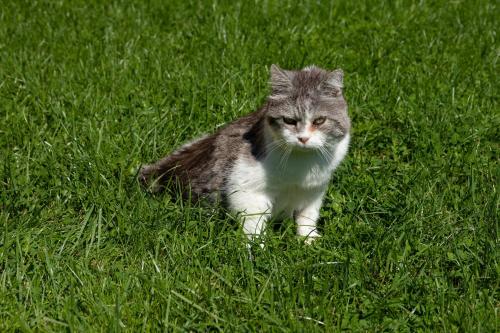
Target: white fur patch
[(282, 185)]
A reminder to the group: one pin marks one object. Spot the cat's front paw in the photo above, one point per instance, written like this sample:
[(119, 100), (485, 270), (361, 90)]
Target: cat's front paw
[(312, 237)]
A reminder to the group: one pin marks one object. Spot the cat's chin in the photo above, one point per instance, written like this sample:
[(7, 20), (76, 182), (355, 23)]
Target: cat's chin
[(304, 149)]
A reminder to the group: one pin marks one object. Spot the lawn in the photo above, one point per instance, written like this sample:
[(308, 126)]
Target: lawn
[(89, 90)]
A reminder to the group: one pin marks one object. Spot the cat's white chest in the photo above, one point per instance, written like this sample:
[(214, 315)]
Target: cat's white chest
[(290, 187), (303, 171), (300, 172), (284, 185)]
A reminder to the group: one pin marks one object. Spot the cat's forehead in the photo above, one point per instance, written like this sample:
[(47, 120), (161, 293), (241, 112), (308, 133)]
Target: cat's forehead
[(306, 83)]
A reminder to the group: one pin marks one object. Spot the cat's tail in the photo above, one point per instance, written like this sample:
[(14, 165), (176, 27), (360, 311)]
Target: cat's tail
[(153, 177), (146, 177)]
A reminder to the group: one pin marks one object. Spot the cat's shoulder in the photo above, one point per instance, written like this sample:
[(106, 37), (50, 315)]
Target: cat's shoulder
[(243, 136), (242, 125)]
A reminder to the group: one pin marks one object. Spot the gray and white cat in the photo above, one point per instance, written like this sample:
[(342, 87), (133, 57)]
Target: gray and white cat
[(276, 161)]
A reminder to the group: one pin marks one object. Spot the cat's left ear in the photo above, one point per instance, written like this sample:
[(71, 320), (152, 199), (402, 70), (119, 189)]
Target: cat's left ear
[(334, 82), (336, 78)]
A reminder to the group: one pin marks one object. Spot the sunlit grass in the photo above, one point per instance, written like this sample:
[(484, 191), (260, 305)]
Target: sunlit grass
[(89, 91)]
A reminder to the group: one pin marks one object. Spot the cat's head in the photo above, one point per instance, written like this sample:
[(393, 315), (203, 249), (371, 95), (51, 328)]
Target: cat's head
[(306, 108)]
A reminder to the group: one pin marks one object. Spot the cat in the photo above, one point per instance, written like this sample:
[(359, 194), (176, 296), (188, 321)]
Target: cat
[(274, 162)]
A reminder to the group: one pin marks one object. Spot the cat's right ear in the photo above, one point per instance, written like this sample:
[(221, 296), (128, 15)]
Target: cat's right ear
[(281, 80)]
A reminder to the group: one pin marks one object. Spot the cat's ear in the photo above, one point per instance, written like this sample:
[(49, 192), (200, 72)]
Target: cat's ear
[(336, 78), (334, 83), (281, 80)]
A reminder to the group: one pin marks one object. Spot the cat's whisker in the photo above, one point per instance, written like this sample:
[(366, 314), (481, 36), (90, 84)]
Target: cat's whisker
[(283, 156), (287, 156), (274, 145), (331, 146), (323, 154), (329, 149), (328, 153), (280, 146), (282, 159)]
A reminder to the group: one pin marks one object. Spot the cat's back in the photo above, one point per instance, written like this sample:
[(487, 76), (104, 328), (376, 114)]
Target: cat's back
[(240, 139), (243, 137), (204, 164)]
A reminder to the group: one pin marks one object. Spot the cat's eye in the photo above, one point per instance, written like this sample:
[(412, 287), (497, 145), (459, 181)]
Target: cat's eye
[(289, 121), (319, 121)]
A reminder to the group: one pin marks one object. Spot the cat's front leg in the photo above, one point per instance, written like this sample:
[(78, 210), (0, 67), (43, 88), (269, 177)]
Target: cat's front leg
[(307, 217), (255, 210), (254, 224)]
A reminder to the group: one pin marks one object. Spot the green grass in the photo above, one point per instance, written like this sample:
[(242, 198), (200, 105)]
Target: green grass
[(89, 91)]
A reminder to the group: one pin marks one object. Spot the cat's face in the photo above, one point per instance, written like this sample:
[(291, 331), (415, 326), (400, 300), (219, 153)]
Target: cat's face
[(306, 108)]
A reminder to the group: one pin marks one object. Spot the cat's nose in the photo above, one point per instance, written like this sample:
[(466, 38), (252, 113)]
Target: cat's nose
[(303, 139)]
